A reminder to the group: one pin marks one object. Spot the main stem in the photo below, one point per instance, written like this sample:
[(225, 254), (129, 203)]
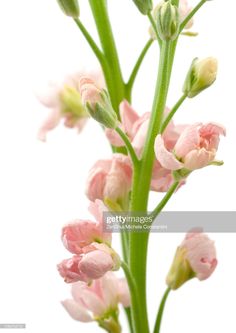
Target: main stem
[(141, 184), (113, 76)]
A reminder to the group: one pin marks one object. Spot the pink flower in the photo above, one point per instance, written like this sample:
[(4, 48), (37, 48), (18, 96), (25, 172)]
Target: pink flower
[(136, 127), (92, 263), (110, 179), (195, 148), (195, 257), (102, 296), (65, 103), (81, 233), (200, 253), (92, 246)]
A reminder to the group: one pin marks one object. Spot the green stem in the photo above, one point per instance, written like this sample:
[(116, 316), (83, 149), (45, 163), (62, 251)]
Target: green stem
[(164, 201), (136, 68), (142, 180), (160, 312), (134, 299), (91, 42), (113, 77), (172, 112), (129, 146), (191, 14)]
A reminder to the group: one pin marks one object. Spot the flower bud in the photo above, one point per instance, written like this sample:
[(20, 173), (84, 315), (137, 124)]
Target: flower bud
[(167, 21), (195, 257), (201, 75), (69, 7), (97, 103), (144, 6)]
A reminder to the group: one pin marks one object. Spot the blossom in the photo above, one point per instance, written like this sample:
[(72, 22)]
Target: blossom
[(91, 264), (99, 300), (80, 233), (110, 179), (195, 148), (94, 255), (64, 101), (136, 128), (195, 257)]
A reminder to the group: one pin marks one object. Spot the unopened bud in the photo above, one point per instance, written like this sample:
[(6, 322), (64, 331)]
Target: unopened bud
[(195, 257), (201, 75), (167, 18), (180, 271), (98, 103), (144, 6), (69, 7)]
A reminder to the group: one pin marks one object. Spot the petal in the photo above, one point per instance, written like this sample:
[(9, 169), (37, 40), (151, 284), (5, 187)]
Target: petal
[(96, 263), (211, 129), (109, 289), (188, 140), (128, 116), (198, 158), (124, 293), (166, 159), (93, 302), (140, 137), (49, 124), (95, 184), (114, 137), (76, 311)]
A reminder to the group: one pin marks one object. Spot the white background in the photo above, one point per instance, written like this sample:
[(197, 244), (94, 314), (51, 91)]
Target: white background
[(42, 185)]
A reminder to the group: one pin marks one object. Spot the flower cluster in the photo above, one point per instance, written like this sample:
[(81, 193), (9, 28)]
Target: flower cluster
[(93, 254), (150, 152)]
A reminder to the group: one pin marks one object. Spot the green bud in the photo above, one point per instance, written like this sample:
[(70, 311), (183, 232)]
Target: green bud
[(69, 7), (102, 110), (144, 6), (201, 75), (180, 271), (167, 18)]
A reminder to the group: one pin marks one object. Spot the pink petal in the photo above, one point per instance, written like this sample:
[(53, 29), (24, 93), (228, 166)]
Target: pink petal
[(95, 184), (76, 311), (211, 129), (124, 293), (198, 158), (49, 124), (95, 264), (188, 140), (166, 159), (114, 137), (128, 116)]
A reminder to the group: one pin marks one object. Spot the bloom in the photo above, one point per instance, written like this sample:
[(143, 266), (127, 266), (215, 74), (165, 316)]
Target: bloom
[(195, 148), (99, 300), (110, 179), (195, 257), (64, 100), (91, 246), (80, 233), (136, 128)]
